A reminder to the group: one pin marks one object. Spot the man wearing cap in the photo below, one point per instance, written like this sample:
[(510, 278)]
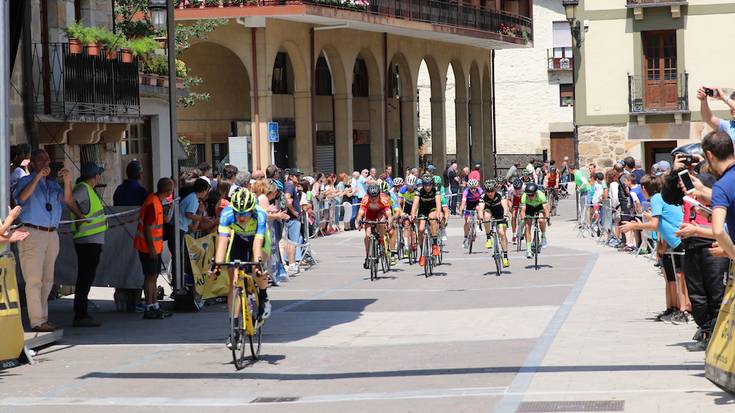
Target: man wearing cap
[(89, 236), (41, 199), (661, 168)]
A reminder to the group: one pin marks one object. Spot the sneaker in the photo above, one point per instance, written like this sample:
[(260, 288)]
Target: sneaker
[(365, 264), (489, 244), (529, 254), (698, 346), (421, 261), (140, 308), (680, 317), (544, 243), (665, 315), (266, 310), (464, 243), (435, 250), (506, 262), (154, 314), (86, 322), (444, 235), (43, 328), (393, 259), (699, 335), (514, 240)]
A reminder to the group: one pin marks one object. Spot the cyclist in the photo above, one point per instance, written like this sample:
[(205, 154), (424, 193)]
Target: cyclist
[(515, 192), (533, 203), (470, 202), (493, 206), (374, 207), (552, 182), (445, 205), (408, 193), (387, 190), (429, 205), (243, 236), (397, 213)]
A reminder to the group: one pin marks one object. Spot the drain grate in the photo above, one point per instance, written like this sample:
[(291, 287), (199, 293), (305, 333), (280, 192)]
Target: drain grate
[(573, 406), (274, 399)]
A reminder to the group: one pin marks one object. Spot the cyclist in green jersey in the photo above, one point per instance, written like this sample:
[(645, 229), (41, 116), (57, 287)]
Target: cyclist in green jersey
[(533, 203)]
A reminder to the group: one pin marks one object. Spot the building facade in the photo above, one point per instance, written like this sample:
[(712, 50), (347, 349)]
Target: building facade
[(340, 79), (641, 64), (534, 92)]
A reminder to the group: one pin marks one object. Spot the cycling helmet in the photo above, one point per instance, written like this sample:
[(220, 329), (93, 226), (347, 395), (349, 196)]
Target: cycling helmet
[(384, 187), (427, 179), (517, 183), (490, 184), (411, 180), (472, 183), (398, 181), (552, 169), (278, 184), (242, 201), (437, 179), (373, 190), (531, 189)]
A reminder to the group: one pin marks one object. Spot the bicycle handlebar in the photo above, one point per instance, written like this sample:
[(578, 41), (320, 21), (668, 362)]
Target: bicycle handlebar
[(214, 266)]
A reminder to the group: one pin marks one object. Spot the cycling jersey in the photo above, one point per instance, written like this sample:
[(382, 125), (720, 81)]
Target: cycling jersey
[(255, 227), (443, 193), (551, 179), (407, 195), (373, 209), (538, 200), (495, 200), (427, 201)]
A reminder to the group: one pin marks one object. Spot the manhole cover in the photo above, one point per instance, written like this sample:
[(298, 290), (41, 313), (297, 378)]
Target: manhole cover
[(274, 399), (573, 406)]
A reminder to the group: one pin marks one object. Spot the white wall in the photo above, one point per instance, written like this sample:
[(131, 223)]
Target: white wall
[(424, 90), (527, 94), (157, 109)]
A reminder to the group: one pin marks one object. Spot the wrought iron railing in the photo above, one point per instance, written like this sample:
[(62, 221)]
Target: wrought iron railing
[(560, 59), (654, 3), (638, 102), (80, 86), (440, 12)]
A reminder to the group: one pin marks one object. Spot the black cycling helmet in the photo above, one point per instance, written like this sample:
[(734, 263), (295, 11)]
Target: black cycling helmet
[(373, 190), (490, 184), (530, 189), (427, 179), (517, 183)]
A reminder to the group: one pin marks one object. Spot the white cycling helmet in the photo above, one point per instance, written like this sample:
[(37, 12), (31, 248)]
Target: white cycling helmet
[(398, 181), (411, 180), (472, 183)]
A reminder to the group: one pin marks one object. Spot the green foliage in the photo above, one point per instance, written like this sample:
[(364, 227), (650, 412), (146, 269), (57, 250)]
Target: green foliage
[(75, 31), (110, 40), (181, 69), (142, 46), (158, 65), (211, 3)]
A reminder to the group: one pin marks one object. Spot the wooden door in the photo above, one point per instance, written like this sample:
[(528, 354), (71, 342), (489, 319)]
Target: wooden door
[(660, 77), (562, 144), (137, 145)]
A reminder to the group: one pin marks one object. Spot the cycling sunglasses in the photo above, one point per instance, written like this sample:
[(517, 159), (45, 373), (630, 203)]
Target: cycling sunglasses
[(243, 214)]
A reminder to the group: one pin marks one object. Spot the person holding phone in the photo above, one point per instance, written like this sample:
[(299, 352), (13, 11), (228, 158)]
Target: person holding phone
[(717, 124)]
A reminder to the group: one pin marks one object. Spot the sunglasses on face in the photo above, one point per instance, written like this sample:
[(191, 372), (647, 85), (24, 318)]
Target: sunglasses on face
[(243, 214)]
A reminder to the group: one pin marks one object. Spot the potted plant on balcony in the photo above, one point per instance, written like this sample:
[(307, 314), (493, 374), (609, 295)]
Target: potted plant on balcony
[(181, 73), (92, 40), (143, 45), (75, 33), (111, 42)]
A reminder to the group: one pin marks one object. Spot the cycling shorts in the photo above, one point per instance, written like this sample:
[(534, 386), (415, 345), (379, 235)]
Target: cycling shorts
[(470, 206), (426, 209), (242, 248), (533, 210), (498, 213), (375, 215)]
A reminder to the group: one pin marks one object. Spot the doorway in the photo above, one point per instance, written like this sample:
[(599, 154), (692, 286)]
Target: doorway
[(562, 144), (655, 151), (660, 77)]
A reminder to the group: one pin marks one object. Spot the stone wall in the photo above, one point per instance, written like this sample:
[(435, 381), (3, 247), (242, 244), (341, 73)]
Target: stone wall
[(602, 145)]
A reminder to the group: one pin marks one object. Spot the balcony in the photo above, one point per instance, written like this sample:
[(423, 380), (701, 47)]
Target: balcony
[(78, 87), (447, 19), (560, 59), (639, 5), (662, 96)]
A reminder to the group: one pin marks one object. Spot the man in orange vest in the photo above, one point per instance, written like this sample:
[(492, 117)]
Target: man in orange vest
[(149, 243)]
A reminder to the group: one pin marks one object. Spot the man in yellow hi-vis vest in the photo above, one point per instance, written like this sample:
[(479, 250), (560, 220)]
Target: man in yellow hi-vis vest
[(89, 236)]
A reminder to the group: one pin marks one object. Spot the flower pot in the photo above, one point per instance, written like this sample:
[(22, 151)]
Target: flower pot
[(179, 83), (93, 49), (75, 46), (163, 81), (221, 4), (152, 81), (111, 54), (127, 55)]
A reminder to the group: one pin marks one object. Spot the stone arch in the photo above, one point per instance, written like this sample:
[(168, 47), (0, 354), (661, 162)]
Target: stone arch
[(488, 159), (341, 80), (432, 109), (300, 68), (368, 112), (475, 114), (401, 101), (374, 79), (461, 118)]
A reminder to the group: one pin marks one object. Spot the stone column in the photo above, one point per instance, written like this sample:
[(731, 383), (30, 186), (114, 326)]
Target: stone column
[(302, 119), (410, 138), (377, 132), (343, 134), (262, 149), (438, 133), (462, 129), (488, 160), (476, 131)]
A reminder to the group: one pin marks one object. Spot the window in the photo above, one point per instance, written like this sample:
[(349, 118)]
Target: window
[(566, 95), (219, 152), (360, 79), (137, 138), (279, 83), (562, 36), (323, 78)]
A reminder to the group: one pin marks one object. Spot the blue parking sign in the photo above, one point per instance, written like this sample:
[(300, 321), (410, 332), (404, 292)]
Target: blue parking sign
[(273, 132)]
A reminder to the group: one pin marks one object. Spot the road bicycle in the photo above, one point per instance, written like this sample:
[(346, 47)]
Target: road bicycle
[(406, 240), (376, 250), (248, 323), (497, 250), (430, 261), (472, 232), (535, 238), (553, 196), (520, 232)]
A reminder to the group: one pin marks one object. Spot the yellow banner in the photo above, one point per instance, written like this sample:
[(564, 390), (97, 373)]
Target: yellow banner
[(719, 365), (201, 251), (11, 338)]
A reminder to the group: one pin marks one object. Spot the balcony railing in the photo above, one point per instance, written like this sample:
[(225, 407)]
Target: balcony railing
[(560, 59), (667, 96), (440, 12), (83, 87), (655, 3)]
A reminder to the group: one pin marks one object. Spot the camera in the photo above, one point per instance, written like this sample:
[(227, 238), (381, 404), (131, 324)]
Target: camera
[(687, 160), (709, 92)]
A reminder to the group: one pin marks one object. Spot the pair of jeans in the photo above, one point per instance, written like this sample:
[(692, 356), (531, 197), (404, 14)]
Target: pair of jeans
[(88, 257), (355, 208), (704, 275)]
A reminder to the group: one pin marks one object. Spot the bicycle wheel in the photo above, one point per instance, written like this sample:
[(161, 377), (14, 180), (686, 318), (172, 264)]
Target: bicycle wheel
[(471, 237), (441, 251), (497, 256), (399, 242), (237, 333), (413, 252), (384, 264), (426, 253), (535, 247), (255, 339)]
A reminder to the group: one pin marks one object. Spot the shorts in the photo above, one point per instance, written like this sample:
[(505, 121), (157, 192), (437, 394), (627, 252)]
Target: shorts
[(241, 249), (293, 231), (424, 210), (671, 268), (497, 213), (150, 265), (470, 206), (407, 208), (533, 210)]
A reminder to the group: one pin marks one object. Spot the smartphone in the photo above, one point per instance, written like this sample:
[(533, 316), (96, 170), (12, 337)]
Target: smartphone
[(693, 202), (687, 181), (709, 92)]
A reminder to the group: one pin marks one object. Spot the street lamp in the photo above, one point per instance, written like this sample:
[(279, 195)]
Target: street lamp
[(162, 16), (570, 10)]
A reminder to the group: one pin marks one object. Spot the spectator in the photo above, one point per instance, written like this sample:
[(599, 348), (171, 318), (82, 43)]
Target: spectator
[(475, 174), (389, 175), (8, 236), (130, 192), (358, 192), (512, 171), (149, 244), (204, 171), (597, 193), (89, 237), (242, 180), (531, 166), (717, 124), (258, 175), (373, 173), (20, 157), (564, 171), (229, 172), (41, 201), (293, 225), (638, 172), (661, 168), (453, 181), (191, 218), (721, 160)]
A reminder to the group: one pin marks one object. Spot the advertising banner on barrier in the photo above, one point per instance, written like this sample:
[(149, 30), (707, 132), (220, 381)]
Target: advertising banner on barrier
[(719, 365), (11, 327), (201, 251)]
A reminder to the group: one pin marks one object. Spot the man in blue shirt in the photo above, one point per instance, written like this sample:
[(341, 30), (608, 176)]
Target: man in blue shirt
[(131, 192), (42, 200), (293, 225), (721, 160), (717, 124)]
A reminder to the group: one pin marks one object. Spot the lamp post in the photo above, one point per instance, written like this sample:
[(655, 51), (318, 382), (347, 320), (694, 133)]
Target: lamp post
[(570, 10), (162, 15)]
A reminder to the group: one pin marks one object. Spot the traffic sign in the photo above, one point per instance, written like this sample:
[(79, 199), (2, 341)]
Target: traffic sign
[(273, 132)]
